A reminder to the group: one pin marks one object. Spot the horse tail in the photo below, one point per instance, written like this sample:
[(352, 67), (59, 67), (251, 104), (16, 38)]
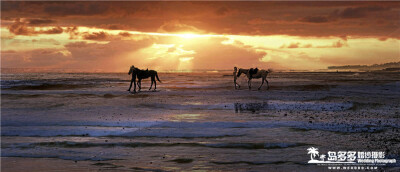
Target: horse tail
[(158, 78), (269, 70)]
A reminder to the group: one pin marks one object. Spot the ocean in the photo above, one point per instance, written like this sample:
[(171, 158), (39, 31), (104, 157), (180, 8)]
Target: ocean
[(194, 121)]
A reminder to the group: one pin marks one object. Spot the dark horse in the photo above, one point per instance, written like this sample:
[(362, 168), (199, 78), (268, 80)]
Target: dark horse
[(255, 73), (142, 74)]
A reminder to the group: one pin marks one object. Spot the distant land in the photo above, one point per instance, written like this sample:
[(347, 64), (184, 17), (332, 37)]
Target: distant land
[(392, 66)]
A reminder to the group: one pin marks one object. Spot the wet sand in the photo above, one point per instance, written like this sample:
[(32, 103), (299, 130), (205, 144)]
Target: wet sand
[(196, 121)]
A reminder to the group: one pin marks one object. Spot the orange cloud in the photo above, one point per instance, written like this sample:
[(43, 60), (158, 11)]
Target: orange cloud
[(176, 26), (95, 36), (321, 19), (21, 28)]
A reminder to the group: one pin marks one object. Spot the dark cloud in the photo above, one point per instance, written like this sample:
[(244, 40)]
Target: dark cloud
[(115, 26), (321, 19), (75, 9), (315, 19), (40, 21), (95, 36), (22, 28), (125, 34), (73, 32), (222, 11), (359, 12)]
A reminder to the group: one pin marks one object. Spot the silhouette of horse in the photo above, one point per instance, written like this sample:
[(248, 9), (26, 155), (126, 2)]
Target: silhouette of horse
[(142, 74), (255, 73)]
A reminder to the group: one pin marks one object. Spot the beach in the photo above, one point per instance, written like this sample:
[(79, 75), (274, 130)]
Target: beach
[(195, 121)]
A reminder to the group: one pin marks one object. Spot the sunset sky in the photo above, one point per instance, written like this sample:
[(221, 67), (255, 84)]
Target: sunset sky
[(111, 36)]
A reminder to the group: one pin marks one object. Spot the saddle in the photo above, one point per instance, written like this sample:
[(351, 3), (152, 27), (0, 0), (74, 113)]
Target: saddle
[(253, 71)]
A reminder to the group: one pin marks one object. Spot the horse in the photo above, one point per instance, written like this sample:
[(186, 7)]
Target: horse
[(143, 74), (258, 74)]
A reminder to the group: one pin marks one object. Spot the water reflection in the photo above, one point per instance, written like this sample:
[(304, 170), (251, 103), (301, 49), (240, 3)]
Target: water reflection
[(186, 117), (250, 107)]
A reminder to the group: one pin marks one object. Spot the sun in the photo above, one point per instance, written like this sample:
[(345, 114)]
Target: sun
[(189, 35)]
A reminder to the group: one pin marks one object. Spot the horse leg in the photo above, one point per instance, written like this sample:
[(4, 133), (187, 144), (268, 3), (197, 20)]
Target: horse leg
[(151, 84), (130, 86), (134, 84), (249, 83), (139, 83), (155, 85), (267, 84), (262, 82)]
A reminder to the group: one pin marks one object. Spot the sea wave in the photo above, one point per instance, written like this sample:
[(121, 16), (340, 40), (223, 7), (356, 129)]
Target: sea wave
[(164, 129), (68, 144)]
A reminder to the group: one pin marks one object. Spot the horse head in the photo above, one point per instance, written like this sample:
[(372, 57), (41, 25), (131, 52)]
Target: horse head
[(239, 72)]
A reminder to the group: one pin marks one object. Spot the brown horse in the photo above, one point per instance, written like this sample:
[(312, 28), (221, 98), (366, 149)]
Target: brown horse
[(259, 74)]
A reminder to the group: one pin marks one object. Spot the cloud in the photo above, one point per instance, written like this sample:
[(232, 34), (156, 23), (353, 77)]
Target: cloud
[(125, 34), (40, 21), (360, 12), (75, 9), (176, 26), (21, 28), (95, 36), (211, 54), (36, 58), (264, 18), (54, 30), (337, 44), (108, 57), (114, 26), (315, 19), (8, 51), (73, 32), (222, 11), (294, 45), (45, 41)]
